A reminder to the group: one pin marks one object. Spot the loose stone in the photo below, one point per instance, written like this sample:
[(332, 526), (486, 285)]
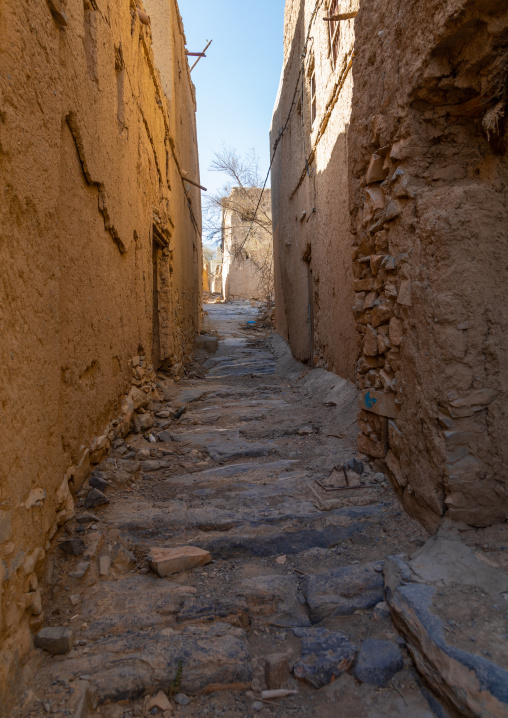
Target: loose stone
[(73, 547), (56, 639), (378, 662), (166, 561), (95, 498)]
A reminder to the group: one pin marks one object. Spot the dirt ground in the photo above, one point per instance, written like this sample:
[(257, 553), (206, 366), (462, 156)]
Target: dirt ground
[(235, 475)]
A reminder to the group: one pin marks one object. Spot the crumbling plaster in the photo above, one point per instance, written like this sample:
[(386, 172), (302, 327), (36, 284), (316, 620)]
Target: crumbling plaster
[(91, 146), (313, 274), (435, 225), (405, 167)]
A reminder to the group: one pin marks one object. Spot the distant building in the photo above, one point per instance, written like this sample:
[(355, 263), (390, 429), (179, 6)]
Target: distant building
[(212, 274), (247, 268)]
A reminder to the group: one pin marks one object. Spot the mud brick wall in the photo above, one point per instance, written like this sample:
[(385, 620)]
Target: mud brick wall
[(310, 209), (430, 223), (100, 254)]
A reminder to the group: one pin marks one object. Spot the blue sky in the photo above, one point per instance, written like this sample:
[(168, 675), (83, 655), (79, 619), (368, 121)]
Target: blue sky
[(236, 84)]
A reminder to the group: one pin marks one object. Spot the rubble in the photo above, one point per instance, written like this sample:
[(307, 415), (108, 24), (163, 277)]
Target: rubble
[(377, 662), (325, 655), (160, 701), (445, 578)]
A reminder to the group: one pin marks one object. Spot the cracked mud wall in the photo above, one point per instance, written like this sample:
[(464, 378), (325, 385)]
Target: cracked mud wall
[(428, 199), (313, 272), (390, 220), (92, 141)]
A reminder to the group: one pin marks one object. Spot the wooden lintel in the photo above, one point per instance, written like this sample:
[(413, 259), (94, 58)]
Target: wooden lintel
[(341, 16)]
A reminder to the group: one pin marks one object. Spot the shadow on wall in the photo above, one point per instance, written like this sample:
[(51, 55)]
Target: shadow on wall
[(314, 293), (428, 167), (291, 284)]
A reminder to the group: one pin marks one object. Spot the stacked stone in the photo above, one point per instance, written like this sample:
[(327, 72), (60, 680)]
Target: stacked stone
[(382, 285), (20, 571)]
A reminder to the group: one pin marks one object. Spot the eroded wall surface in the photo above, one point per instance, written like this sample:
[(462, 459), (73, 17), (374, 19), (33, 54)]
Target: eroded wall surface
[(406, 168), (101, 260), (312, 240), (430, 219)]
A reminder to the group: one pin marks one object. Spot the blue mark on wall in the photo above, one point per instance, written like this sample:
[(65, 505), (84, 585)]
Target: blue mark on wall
[(369, 400)]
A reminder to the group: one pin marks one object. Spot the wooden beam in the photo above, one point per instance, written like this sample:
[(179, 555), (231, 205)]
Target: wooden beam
[(342, 16), (195, 54), (186, 179), (199, 58)]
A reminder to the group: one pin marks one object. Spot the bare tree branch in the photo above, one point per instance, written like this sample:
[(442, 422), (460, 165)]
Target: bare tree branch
[(240, 196)]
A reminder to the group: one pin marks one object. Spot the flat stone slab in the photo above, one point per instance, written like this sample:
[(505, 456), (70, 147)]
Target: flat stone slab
[(276, 599), (226, 609), (225, 444), (187, 396), (277, 542), (343, 591), (450, 605), (377, 662), (167, 561), (128, 666), (237, 449), (55, 639), (325, 655)]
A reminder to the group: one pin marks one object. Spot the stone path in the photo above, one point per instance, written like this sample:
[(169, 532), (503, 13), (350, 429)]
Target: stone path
[(293, 597)]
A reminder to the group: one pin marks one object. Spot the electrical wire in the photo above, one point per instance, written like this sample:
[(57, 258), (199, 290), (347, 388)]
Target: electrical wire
[(286, 124)]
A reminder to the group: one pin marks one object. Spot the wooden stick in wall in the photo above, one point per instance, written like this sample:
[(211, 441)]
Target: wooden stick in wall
[(342, 16), (203, 55), (145, 19), (183, 175)]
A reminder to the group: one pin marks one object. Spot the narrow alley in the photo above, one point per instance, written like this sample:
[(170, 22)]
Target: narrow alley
[(243, 462), (253, 376)]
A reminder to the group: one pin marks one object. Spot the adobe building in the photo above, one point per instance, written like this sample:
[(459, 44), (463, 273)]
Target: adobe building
[(390, 234), (100, 254), (213, 269), (247, 248)]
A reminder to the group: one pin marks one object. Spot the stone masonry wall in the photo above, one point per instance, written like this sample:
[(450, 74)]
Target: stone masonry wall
[(428, 199), (101, 260), (406, 161)]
